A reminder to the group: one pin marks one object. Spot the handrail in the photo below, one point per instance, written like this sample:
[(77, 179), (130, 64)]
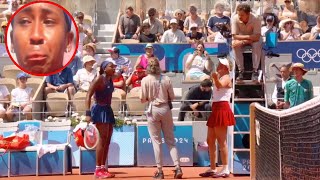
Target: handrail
[(116, 33)]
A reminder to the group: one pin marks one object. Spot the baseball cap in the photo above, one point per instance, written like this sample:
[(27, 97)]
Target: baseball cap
[(173, 21), (225, 62), (149, 45), (22, 75), (114, 50), (193, 26), (270, 18)]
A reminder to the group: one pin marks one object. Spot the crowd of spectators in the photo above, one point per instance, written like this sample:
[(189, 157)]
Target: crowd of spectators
[(287, 20)]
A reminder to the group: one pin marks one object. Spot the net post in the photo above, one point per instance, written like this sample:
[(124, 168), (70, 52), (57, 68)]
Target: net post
[(252, 142)]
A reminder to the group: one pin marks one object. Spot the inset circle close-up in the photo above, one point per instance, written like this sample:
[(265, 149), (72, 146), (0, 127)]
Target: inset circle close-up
[(41, 38)]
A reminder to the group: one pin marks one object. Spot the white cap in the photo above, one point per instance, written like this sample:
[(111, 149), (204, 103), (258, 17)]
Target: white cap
[(193, 25), (173, 21), (225, 62)]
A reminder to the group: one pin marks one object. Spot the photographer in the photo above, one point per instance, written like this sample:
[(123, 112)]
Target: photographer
[(198, 64), (218, 24)]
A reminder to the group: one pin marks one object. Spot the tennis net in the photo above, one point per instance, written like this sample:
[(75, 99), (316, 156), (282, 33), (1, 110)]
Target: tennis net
[(286, 144)]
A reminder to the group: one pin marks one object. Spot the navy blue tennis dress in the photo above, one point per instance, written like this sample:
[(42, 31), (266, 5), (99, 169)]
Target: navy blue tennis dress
[(101, 111)]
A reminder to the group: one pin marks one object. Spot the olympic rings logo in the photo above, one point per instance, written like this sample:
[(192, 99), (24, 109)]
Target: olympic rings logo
[(310, 55)]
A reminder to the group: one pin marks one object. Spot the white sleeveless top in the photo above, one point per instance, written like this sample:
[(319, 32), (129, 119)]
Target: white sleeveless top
[(221, 94)]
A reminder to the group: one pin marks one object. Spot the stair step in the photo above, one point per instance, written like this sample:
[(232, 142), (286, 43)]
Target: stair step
[(102, 33), (102, 45), (107, 27), (105, 38), (103, 55), (248, 82), (102, 51)]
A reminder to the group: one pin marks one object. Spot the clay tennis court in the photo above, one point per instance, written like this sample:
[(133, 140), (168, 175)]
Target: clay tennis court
[(138, 173)]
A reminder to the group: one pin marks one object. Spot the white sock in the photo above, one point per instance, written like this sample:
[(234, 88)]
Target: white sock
[(102, 167), (98, 167)]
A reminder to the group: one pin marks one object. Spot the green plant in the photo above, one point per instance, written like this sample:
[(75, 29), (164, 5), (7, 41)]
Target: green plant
[(76, 119), (122, 122)]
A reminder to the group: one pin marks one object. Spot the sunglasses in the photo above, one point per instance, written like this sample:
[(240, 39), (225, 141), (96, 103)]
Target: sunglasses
[(287, 1), (151, 15), (80, 17)]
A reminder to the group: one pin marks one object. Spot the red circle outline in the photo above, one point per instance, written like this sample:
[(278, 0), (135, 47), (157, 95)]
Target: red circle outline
[(76, 35)]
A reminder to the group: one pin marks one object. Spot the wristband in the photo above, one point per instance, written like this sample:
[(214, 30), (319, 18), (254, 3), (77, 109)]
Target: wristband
[(88, 113)]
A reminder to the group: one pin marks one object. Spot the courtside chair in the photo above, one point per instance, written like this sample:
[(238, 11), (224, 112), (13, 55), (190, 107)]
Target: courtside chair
[(10, 71), (57, 104), (55, 138), (116, 104), (34, 83), (79, 102), (134, 105), (6, 129), (25, 162), (9, 83)]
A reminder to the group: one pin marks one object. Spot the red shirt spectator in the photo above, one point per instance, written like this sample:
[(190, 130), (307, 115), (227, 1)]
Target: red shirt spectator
[(136, 77), (117, 81)]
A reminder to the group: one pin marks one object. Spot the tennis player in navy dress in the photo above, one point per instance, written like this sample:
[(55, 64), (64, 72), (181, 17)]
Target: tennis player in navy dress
[(102, 115)]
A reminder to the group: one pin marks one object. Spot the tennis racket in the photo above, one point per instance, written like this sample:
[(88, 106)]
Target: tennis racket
[(91, 136)]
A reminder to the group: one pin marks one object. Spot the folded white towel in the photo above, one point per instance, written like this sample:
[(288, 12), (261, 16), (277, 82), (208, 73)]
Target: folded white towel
[(44, 149)]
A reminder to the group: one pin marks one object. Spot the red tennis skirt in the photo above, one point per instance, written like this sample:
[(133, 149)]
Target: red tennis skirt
[(221, 115)]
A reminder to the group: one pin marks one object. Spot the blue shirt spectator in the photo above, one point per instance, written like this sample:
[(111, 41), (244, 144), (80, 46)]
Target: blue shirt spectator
[(63, 77), (76, 63), (61, 82), (215, 20)]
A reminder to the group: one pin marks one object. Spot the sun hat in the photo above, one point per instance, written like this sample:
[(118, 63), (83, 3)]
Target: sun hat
[(298, 65), (86, 59)]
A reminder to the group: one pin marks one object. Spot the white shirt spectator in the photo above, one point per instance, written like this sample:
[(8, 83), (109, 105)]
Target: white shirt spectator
[(173, 37), (3, 94), (83, 78), (275, 91), (294, 35), (155, 27), (315, 31), (19, 96), (198, 64)]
